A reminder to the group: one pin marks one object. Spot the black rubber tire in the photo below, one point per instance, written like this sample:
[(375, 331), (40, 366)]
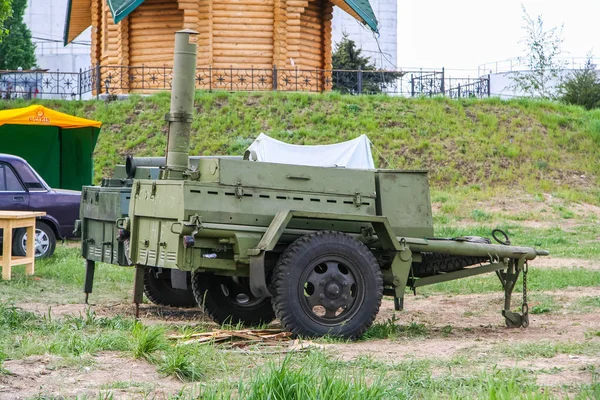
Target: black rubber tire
[(228, 300), (352, 271), (41, 228), (158, 289)]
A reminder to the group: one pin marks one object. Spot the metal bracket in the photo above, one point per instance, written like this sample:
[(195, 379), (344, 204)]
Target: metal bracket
[(239, 191), (258, 282), (357, 200), (508, 279)]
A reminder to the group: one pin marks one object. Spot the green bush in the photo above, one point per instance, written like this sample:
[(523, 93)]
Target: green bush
[(582, 88)]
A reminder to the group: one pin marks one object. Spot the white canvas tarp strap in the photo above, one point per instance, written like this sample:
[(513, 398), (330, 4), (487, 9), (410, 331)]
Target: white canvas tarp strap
[(354, 153)]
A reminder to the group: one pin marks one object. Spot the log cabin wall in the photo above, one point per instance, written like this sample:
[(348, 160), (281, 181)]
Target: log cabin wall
[(151, 29), (311, 37), (242, 33), (233, 35)]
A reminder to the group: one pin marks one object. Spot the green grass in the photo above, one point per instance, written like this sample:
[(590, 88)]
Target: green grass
[(315, 376), (540, 303), (521, 144), (537, 280), (579, 242), (147, 340), (549, 349), (59, 280), (390, 329)]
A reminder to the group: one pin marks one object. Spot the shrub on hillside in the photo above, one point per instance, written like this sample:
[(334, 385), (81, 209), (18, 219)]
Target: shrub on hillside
[(582, 88)]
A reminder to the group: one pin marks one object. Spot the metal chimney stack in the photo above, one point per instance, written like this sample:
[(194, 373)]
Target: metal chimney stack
[(182, 103)]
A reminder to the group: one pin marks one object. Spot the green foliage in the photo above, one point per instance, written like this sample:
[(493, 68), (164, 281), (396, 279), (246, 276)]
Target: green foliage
[(147, 340), (390, 329), (542, 51), (180, 364), (450, 138), (5, 13), (289, 383), (582, 88), (346, 56), (16, 48)]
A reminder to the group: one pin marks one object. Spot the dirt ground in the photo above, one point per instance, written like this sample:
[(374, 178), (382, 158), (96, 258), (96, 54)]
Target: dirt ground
[(477, 331)]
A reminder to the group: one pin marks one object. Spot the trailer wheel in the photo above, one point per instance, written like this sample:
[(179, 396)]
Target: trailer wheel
[(327, 283), (158, 289), (228, 300)]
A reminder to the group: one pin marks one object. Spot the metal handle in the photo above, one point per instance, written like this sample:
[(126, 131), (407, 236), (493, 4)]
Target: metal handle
[(18, 198), (299, 177)]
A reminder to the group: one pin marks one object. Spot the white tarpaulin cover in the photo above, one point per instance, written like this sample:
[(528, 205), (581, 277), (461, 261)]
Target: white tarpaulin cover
[(354, 153)]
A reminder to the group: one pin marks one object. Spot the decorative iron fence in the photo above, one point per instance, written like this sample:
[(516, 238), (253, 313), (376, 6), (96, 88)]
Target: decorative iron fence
[(112, 80), (43, 84)]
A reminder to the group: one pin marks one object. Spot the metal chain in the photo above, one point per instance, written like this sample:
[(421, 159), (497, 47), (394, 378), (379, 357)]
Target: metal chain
[(525, 306)]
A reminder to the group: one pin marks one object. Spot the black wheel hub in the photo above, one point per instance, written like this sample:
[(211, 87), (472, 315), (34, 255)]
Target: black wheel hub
[(330, 290), (237, 291)]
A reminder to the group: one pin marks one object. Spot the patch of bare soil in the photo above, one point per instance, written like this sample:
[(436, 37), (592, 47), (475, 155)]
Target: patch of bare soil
[(471, 325), (550, 262), (468, 326), (148, 313), (124, 377), (540, 214)]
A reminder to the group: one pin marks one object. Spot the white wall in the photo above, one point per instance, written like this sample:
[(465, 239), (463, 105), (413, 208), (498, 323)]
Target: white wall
[(502, 84), (386, 12), (46, 21)]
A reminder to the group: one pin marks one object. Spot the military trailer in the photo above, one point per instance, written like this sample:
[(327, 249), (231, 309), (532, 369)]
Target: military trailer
[(315, 247)]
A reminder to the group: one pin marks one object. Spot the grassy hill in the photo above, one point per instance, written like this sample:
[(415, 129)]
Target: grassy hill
[(482, 145)]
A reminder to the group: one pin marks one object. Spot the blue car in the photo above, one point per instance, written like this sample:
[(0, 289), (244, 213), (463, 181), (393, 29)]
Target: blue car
[(23, 189)]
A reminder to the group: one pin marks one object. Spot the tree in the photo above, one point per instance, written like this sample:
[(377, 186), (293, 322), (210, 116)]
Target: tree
[(347, 58), (582, 88), (5, 13), (16, 49), (542, 51)]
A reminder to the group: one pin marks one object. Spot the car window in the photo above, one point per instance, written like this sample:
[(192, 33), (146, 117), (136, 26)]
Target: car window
[(31, 180), (8, 180)]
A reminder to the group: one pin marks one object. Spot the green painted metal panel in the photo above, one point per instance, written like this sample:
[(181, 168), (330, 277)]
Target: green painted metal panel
[(293, 177), (364, 10), (403, 197), (122, 8)]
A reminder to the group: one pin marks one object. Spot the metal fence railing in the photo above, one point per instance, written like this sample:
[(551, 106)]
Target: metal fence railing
[(131, 79)]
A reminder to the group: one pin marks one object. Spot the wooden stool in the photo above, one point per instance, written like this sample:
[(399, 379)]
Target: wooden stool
[(10, 220)]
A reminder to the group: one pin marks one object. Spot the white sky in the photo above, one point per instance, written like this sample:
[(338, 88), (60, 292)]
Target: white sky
[(463, 34)]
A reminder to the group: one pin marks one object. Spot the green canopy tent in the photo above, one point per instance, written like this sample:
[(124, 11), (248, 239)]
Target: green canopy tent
[(58, 146)]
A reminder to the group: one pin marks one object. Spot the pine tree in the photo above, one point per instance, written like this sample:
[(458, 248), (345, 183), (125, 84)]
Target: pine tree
[(582, 88), (16, 48), (347, 57)]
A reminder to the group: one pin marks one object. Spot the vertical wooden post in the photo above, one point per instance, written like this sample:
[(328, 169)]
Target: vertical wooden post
[(6, 248), (30, 251)]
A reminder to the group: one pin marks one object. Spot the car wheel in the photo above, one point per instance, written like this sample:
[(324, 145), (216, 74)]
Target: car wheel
[(45, 241)]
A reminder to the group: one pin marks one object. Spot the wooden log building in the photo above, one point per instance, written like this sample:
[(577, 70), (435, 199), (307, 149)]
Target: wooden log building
[(132, 40)]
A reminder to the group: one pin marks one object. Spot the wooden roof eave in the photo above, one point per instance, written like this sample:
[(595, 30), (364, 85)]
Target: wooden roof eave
[(78, 19)]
